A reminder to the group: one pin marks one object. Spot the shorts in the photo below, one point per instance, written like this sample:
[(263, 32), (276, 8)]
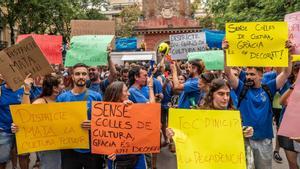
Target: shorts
[(50, 159), (286, 143), (6, 143)]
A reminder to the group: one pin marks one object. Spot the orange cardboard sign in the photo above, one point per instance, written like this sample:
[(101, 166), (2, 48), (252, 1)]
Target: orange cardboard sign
[(123, 129)]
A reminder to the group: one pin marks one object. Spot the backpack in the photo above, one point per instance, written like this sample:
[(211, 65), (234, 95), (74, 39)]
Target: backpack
[(127, 161), (246, 88)]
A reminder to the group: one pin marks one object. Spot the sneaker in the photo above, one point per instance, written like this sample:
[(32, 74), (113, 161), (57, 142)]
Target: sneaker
[(276, 157)]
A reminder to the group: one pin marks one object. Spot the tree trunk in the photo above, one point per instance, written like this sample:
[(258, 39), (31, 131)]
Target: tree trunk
[(12, 33)]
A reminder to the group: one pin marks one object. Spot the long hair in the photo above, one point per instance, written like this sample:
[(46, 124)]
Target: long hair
[(49, 82), (216, 84), (114, 91), (133, 72)]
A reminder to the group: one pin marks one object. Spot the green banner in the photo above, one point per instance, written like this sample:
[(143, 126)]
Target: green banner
[(88, 49), (213, 59)]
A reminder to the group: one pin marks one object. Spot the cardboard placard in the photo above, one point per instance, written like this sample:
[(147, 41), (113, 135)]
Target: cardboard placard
[(92, 27), (22, 59), (259, 44), (50, 45), (182, 44), (122, 129), (208, 139), (52, 126)]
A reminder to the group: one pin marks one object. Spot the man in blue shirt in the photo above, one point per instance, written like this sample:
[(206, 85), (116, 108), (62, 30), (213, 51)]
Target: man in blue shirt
[(9, 97), (191, 92), (72, 159), (256, 108), (138, 79), (95, 83)]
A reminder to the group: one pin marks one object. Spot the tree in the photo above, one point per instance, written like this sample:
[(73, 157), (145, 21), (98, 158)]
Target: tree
[(128, 19), (250, 10), (48, 16)]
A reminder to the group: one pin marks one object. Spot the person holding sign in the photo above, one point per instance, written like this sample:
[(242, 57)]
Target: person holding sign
[(72, 159), (137, 80), (191, 91), (255, 105), (218, 98), (52, 87), (285, 142), (7, 146), (118, 92)]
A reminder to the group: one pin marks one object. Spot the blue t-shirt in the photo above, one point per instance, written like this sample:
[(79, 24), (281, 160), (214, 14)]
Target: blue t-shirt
[(68, 96), (157, 88), (99, 87), (256, 110), (242, 76), (234, 98), (8, 97), (167, 92), (190, 94), (268, 77), (137, 96)]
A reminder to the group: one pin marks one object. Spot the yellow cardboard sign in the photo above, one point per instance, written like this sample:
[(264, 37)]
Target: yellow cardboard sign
[(296, 58), (50, 126), (208, 139), (258, 44)]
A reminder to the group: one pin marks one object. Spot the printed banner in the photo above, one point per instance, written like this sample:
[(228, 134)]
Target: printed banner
[(259, 44), (213, 59), (52, 126), (89, 49), (126, 44), (121, 129), (208, 139), (92, 27), (293, 21), (182, 44), (19, 60), (50, 45), (289, 126)]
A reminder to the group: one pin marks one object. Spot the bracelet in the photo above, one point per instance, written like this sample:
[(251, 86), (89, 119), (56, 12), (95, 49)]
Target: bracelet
[(25, 93), (291, 88)]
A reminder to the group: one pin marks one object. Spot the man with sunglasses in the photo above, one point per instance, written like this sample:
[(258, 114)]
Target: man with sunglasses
[(256, 107), (72, 159)]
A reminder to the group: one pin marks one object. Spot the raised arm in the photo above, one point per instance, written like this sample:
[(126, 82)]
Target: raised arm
[(177, 85), (233, 80), (27, 87), (283, 76), (112, 69)]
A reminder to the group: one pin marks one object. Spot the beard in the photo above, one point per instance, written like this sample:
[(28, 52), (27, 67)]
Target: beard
[(80, 82), (249, 83), (93, 77)]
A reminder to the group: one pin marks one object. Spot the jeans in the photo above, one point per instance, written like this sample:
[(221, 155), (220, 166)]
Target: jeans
[(6, 142), (50, 159)]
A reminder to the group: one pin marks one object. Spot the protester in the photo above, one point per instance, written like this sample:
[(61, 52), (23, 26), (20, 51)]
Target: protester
[(52, 87), (81, 158), (255, 105)]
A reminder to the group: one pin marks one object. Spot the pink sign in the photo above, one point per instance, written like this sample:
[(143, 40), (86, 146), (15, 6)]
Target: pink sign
[(293, 21), (290, 124), (50, 45)]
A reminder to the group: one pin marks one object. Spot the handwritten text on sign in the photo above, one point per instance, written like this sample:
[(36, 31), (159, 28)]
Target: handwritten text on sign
[(122, 129), (293, 20), (182, 44), (50, 126), (208, 139), (257, 44)]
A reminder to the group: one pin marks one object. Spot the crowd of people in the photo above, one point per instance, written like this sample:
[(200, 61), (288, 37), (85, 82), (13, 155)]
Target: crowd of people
[(258, 94)]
